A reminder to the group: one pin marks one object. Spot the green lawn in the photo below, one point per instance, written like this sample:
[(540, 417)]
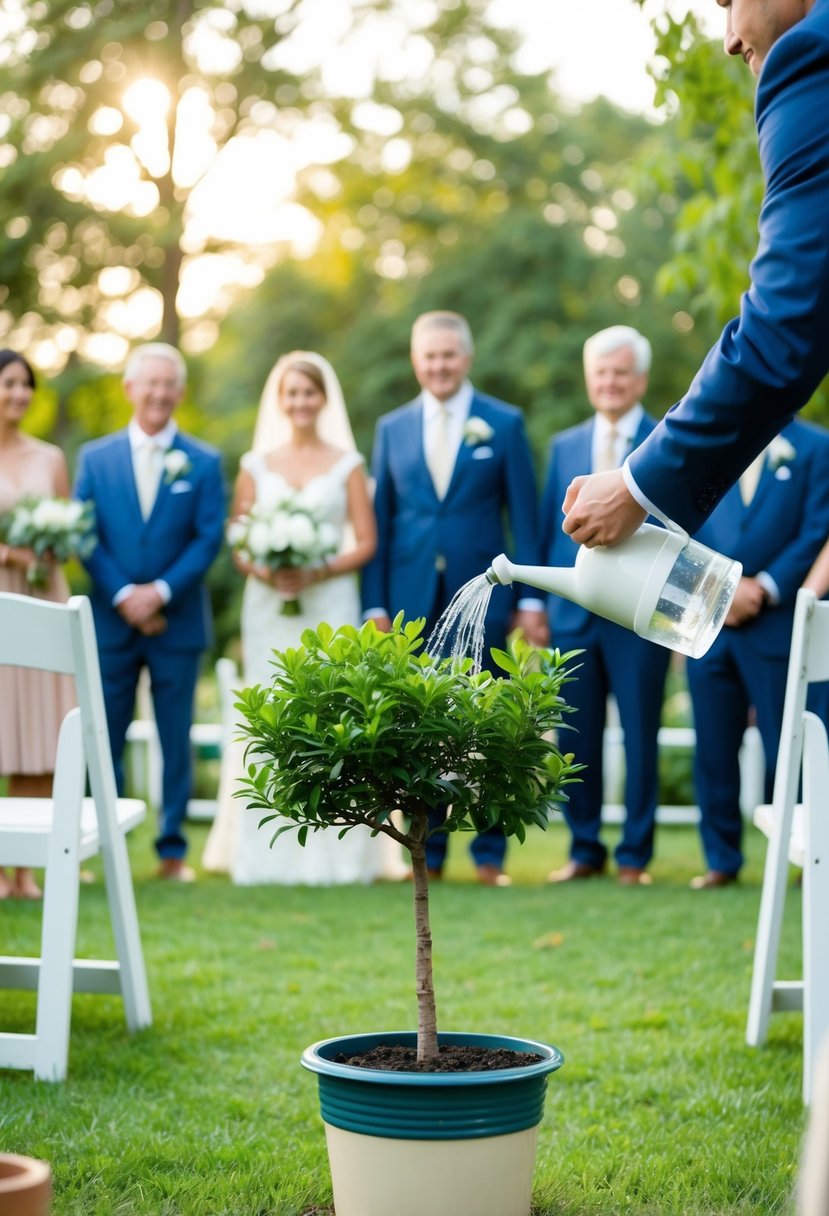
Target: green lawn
[(659, 1108)]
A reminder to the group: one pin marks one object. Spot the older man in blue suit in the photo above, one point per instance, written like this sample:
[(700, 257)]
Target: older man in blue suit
[(450, 468), (774, 523), (616, 366), (160, 505), (771, 358)]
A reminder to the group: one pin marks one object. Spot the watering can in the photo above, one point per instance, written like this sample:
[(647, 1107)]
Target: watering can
[(659, 582)]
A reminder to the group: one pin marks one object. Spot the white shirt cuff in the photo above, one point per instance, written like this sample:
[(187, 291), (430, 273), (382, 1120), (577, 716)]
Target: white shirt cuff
[(769, 586), (161, 587), (645, 503), (121, 595)]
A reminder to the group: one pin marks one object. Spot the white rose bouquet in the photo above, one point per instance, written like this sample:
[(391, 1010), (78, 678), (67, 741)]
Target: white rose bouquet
[(58, 527), (283, 535)]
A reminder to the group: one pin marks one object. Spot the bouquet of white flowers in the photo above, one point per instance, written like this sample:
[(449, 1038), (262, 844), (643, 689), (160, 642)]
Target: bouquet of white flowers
[(60, 527), (283, 535)]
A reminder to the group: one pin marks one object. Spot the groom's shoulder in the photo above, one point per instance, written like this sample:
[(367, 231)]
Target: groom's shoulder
[(197, 447), (104, 444), (495, 410), (401, 412)]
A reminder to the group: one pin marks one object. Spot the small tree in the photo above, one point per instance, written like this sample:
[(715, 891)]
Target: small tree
[(357, 723)]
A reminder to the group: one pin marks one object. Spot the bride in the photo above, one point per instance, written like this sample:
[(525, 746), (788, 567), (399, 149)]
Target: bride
[(302, 443)]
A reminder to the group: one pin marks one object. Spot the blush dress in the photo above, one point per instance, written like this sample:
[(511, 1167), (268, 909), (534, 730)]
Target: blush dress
[(33, 704)]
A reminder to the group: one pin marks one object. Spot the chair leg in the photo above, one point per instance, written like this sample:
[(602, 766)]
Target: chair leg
[(815, 898), (60, 909), (769, 925), (124, 917)]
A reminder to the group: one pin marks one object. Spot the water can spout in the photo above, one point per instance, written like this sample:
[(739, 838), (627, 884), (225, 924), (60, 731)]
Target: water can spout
[(499, 573)]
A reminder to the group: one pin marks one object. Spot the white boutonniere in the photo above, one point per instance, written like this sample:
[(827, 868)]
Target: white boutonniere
[(176, 464), (780, 452), (476, 430)]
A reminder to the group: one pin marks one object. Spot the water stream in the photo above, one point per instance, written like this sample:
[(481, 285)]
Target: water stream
[(460, 630)]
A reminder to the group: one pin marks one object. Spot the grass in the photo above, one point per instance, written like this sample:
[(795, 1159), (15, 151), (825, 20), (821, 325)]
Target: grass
[(659, 1108)]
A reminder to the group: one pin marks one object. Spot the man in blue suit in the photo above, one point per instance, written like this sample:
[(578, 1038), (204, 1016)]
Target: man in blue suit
[(616, 366), (775, 531), (450, 467), (771, 358), (160, 505)]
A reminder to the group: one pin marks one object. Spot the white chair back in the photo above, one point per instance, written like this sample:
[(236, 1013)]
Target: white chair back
[(60, 832)]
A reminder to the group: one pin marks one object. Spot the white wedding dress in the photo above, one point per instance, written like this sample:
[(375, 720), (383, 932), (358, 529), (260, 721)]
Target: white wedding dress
[(236, 843)]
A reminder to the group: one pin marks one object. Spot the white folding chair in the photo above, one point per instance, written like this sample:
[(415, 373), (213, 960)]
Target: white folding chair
[(797, 833), (61, 832)]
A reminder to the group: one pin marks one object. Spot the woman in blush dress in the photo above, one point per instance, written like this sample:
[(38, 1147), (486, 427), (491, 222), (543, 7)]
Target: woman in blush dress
[(32, 703), (302, 443)]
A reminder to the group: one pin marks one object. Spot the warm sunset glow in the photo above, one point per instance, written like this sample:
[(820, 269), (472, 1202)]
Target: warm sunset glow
[(147, 100)]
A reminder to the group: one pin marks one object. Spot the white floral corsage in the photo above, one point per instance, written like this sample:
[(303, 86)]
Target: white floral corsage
[(476, 430), (780, 452), (176, 464)]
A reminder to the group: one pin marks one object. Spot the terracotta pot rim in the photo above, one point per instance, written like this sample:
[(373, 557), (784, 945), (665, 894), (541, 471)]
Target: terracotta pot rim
[(18, 1173)]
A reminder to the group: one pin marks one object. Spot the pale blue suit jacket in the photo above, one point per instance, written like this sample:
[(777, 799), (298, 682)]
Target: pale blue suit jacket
[(770, 359)]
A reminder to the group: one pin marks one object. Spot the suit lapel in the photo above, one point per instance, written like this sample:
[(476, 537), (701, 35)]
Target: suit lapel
[(463, 457), (412, 438), (125, 475)]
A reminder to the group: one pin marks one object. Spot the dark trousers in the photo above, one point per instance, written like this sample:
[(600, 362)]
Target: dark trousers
[(723, 684), (618, 661), (173, 678), (489, 847)]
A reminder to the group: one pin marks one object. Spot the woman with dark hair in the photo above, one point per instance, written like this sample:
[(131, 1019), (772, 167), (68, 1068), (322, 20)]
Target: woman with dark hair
[(32, 703)]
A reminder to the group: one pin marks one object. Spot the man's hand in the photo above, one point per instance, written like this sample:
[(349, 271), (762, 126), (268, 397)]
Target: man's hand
[(600, 510), (382, 622), (748, 602), (533, 624), (153, 626), (142, 603)]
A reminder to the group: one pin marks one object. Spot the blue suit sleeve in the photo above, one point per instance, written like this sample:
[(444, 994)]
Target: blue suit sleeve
[(193, 562), (770, 359), (551, 514), (522, 502), (100, 564), (374, 581)]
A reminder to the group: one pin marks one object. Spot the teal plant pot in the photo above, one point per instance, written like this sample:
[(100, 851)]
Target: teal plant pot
[(431, 1144)]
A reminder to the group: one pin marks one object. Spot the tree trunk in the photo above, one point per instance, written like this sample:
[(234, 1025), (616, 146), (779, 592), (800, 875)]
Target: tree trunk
[(427, 1027)]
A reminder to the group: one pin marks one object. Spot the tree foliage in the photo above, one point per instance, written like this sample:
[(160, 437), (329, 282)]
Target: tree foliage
[(357, 723), (711, 165)]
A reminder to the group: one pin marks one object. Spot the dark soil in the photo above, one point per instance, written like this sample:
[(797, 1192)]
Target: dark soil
[(450, 1059)]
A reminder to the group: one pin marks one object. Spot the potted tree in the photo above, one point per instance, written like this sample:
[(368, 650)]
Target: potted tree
[(355, 724)]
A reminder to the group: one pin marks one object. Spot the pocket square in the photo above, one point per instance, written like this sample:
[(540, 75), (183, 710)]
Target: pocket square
[(180, 487), (482, 453)]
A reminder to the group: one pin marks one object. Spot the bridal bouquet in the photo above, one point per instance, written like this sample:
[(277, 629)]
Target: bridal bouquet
[(283, 535), (61, 527)]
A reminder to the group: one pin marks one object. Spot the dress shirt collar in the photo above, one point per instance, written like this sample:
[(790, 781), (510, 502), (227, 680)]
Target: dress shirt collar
[(626, 426), (164, 438), (457, 406)]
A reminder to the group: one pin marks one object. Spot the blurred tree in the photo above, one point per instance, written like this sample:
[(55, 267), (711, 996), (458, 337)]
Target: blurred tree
[(712, 166), (113, 116)]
